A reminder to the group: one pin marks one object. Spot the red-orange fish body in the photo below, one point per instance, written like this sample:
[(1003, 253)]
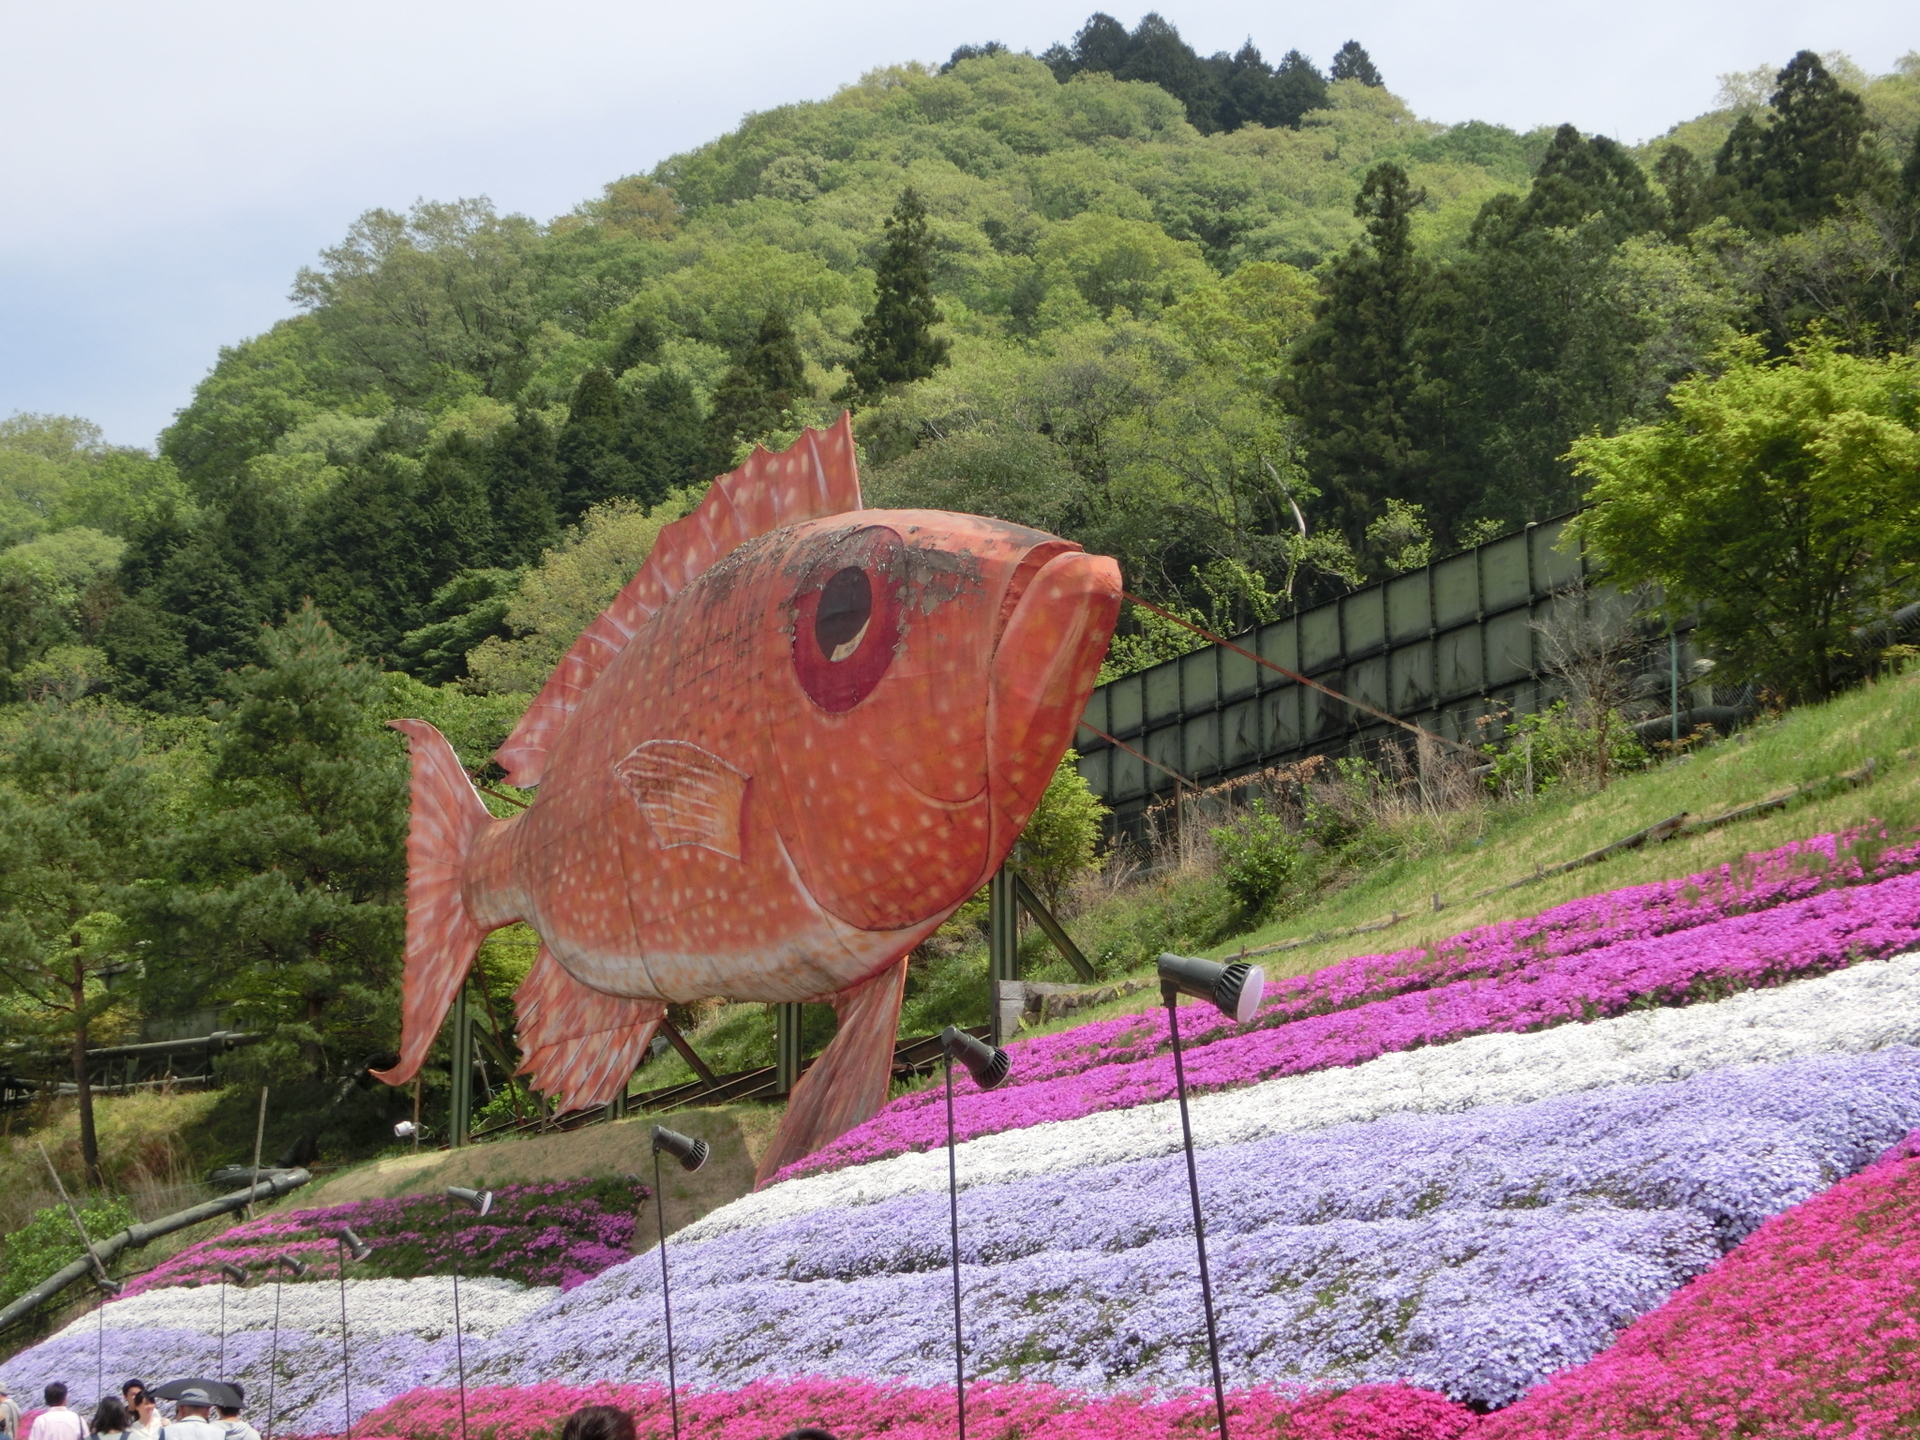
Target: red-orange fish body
[(796, 766)]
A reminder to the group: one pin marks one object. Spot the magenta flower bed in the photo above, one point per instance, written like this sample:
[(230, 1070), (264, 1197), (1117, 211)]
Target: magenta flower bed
[(1712, 959), (1811, 1328), (554, 1234), (854, 1409), (1757, 882)]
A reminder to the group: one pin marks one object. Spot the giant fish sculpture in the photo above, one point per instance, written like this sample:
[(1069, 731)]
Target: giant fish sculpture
[(798, 739)]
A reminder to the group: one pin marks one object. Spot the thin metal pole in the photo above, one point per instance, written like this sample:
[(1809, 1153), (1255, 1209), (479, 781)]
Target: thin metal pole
[(273, 1360), (1193, 1190), (459, 1351), (953, 1230), (666, 1300), (220, 1365), (1673, 685), (346, 1370), (99, 1345), (259, 1136)]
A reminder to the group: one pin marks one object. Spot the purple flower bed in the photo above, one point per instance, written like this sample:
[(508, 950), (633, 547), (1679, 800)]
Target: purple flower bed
[(1708, 960), (553, 1234), (1473, 1253)]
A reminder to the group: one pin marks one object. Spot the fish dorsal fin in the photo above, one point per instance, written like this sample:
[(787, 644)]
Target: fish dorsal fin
[(816, 476)]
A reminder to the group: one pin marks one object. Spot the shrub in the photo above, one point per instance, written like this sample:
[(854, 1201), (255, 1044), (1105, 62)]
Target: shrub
[(1259, 857)]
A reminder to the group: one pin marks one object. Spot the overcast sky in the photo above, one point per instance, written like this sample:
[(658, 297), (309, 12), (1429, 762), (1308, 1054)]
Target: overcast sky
[(169, 167)]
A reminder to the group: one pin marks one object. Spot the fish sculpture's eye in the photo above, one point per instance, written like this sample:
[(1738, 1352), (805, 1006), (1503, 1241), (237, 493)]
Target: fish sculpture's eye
[(846, 609), (847, 618)]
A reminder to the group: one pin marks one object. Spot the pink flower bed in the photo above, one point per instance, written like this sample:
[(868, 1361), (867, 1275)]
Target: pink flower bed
[(855, 1410), (552, 1234), (1522, 989), (1809, 1329), (1757, 882)]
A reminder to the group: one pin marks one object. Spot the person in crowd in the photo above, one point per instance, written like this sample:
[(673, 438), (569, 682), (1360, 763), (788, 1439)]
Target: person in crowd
[(9, 1415), (57, 1422), (193, 1418), (237, 1429), (598, 1422), (110, 1419), (145, 1415), (807, 1432)]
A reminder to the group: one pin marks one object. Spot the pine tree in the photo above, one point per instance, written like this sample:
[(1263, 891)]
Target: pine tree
[(523, 487), (77, 806), (668, 436), (756, 393), (1795, 169), (1351, 62), (1356, 372), (1686, 183), (592, 446), (1297, 89), (284, 894), (1102, 45), (1156, 55), (1582, 177), (895, 343)]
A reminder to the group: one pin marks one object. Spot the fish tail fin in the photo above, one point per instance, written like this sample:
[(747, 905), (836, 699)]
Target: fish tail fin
[(848, 1083), (442, 937), (580, 1045)]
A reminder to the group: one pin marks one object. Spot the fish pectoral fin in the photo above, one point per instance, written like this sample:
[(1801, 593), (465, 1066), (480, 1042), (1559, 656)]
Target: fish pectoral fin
[(581, 1045), (848, 1083), (690, 796)]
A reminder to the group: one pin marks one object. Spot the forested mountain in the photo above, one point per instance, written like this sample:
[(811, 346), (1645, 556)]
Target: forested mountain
[(1253, 327)]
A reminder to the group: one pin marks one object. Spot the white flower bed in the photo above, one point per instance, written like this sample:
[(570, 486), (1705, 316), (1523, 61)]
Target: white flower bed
[(375, 1308), (1858, 1009)]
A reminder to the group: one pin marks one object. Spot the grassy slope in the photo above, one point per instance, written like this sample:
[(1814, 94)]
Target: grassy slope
[(1503, 843)]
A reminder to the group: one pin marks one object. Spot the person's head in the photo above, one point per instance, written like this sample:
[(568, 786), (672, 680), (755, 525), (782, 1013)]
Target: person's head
[(194, 1404), (807, 1432), (132, 1388), (231, 1412), (110, 1415), (598, 1422), (56, 1393)]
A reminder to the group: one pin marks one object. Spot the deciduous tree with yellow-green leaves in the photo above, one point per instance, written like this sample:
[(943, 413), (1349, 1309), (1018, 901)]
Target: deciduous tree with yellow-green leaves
[(1781, 497)]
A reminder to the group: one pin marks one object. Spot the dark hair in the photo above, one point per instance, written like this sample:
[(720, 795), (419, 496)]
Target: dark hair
[(109, 1415), (807, 1432), (598, 1422), (133, 1385), (56, 1394)]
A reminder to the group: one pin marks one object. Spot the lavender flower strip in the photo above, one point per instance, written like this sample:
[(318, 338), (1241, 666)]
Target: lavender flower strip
[(1852, 1011), (1473, 1253)]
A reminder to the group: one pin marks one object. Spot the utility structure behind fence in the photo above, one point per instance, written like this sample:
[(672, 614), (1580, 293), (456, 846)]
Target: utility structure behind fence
[(1461, 648)]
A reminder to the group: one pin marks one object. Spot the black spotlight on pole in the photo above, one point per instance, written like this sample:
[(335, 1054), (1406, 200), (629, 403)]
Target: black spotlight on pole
[(1235, 989), (228, 1272), (480, 1202), (295, 1268), (691, 1154), (988, 1064), (349, 1246)]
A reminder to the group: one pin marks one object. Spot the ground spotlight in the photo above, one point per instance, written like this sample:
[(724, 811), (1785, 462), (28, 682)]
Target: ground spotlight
[(1235, 989), (351, 1246), (478, 1201), (408, 1130), (296, 1268), (988, 1064), (691, 1154), (233, 1272)]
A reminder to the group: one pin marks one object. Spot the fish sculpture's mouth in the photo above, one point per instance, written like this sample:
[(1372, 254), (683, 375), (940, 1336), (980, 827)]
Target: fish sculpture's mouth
[(1053, 636)]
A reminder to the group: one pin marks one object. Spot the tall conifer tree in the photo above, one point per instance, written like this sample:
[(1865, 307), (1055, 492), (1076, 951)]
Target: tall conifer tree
[(896, 343), (1794, 170), (1356, 371), (668, 437), (756, 393), (592, 448), (1351, 62)]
